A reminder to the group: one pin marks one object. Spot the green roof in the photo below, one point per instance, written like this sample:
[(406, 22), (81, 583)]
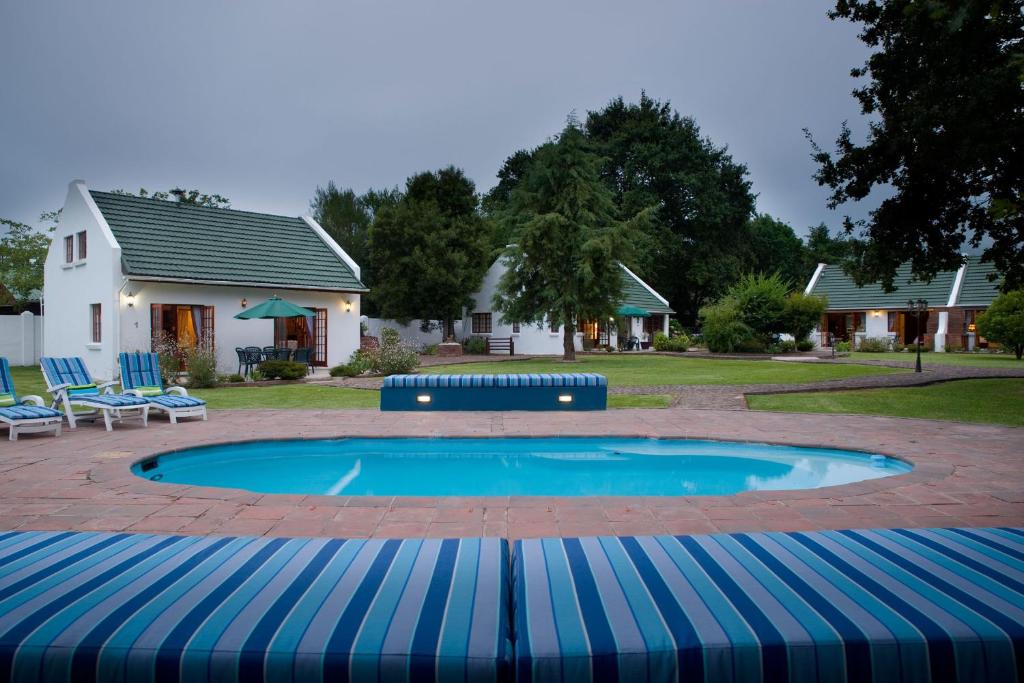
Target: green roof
[(174, 241), (843, 294), (636, 293), (976, 289)]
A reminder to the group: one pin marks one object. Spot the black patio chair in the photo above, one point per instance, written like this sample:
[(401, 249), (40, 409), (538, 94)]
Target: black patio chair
[(254, 356), (269, 352), (304, 355), (246, 360), (282, 354)]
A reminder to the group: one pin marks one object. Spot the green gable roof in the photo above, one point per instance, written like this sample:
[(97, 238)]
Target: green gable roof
[(976, 289), (843, 294), (175, 241), (635, 293)]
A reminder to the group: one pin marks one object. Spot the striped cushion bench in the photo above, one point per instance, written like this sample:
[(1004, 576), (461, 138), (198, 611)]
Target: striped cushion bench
[(148, 608), (895, 605), (541, 391)]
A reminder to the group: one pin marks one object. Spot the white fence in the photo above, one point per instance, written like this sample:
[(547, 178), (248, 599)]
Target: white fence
[(411, 334), (21, 338)]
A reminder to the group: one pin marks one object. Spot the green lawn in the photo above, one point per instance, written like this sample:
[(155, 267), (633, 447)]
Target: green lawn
[(650, 370), (980, 360), (639, 400), (996, 401)]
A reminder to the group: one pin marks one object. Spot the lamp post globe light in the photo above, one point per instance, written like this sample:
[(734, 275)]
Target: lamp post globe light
[(916, 308)]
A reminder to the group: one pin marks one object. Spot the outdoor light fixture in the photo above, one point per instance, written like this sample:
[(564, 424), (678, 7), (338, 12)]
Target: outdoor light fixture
[(348, 305), (565, 398), (423, 398), (245, 302), (130, 297), (916, 308)]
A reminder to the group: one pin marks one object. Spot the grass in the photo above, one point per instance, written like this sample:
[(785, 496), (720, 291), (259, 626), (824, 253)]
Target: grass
[(639, 400), (994, 401), (650, 370), (979, 360)]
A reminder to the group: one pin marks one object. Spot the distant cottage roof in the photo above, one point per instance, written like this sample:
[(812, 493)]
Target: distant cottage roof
[(975, 288), (176, 241), (637, 293)]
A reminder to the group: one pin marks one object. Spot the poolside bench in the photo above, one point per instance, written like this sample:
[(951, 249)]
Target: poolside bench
[(499, 345), (569, 391), (858, 606), (124, 607)]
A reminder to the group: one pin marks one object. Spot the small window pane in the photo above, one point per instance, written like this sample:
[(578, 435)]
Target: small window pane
[(97, 323), (82, 246), (515, 328), (69, 249)]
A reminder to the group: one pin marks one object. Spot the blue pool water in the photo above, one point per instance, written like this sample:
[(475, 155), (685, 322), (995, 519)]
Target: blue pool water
[(518, 467)]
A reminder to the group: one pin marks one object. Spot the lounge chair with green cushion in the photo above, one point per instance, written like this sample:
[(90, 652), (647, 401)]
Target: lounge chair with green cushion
[(140, 376), (23, 414), (70, 384)]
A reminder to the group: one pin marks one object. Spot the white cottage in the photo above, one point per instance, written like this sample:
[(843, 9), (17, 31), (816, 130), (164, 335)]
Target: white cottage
[(642, 313), (122, 269)]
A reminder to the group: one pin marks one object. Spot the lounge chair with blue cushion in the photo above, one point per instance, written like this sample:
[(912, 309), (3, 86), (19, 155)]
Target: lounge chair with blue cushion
[(140, 376), (26, 413), (70, 384)]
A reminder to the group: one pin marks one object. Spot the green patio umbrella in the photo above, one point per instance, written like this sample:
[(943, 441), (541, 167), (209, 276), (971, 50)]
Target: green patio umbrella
[(633, 312), (275, 307)]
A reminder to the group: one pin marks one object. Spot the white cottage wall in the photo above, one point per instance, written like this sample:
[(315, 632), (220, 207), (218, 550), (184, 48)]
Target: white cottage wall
[(229, 333), (71, 288)]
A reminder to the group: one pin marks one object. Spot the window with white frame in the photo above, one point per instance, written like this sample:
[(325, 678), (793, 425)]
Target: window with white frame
[(69, 249), (82, 246), (96, 314), (515, 328)]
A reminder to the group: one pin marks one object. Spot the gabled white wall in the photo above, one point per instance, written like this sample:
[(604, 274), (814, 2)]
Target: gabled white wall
[(342, 325), (531, 339), (70, 289)]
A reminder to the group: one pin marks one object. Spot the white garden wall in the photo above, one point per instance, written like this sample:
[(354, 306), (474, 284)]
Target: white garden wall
[(411, 334), (21, 338)]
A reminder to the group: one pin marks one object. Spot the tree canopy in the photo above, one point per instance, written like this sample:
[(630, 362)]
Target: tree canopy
[(1003, 322), (563, 267), (773, 247), (430, 249), (945, 108), (183, 196), (22, 257)]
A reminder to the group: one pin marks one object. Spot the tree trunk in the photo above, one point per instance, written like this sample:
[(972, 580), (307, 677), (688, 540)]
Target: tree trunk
[(1019, 350), (569, 342), (447, 330)]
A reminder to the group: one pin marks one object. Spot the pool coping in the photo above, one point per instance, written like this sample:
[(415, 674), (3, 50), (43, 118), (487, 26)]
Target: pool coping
[(964, 475)]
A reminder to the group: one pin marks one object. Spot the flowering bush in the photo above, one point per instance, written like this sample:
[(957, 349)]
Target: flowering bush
[(393, 357)]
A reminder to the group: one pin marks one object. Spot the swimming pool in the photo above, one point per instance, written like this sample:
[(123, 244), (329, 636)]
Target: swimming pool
[(567, 466)]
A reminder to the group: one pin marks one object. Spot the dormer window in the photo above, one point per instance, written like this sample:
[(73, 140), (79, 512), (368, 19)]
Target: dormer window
[(82, 249), (69, 249)]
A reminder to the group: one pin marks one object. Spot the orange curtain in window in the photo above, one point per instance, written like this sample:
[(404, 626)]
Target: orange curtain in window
[(186, 327)]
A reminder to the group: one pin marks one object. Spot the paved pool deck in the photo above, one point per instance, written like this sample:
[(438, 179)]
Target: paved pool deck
[(965, 475)]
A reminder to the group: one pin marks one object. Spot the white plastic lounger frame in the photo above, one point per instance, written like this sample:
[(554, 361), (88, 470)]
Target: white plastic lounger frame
[(28, 414), (99, 398), (141, 371)]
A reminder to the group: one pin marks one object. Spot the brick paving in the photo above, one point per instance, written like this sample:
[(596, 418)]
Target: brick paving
[(965, 475)]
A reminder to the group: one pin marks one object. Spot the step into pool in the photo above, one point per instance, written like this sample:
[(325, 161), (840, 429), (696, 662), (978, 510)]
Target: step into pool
[(567, 466)]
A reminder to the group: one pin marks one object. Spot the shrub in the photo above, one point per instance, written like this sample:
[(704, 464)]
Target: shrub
[(787, 346), (345, 370), (723, 331), (677, 344), (168, 355), (802, 313), (841, 346), (761, 303), (874, 345), (282, 369), (233, 377), (256, 375), (804, 345), (393, 357), (201, 361), (474, 346), (429, 350), (1003, 322)]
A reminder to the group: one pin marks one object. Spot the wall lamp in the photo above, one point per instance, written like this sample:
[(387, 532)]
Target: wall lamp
[(245, 302), (347, 305), (130, 298)]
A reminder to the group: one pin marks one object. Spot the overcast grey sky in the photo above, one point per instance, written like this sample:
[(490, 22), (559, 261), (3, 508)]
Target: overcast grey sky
[(263, 101)]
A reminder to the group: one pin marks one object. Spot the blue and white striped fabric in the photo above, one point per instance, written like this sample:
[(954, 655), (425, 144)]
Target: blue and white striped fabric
[(578, 379), (19, 411), (66, 371), (151, 608), (173, 401), (140, 369), (833, 606)]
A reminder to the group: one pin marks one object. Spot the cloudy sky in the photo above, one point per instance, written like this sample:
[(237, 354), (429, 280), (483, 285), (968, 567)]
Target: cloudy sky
[(263, 101)]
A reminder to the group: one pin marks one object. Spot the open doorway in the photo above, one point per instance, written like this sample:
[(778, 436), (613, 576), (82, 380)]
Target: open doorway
[(303, 333)]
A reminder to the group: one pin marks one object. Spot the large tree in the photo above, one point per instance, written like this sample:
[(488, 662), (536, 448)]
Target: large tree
[(429, 250), (945, 145), (563, 267), (22, 255), (653, 157), (774, 248), (824, 247)]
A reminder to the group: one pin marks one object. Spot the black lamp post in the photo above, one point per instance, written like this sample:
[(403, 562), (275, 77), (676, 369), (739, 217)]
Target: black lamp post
[(916, 308)]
